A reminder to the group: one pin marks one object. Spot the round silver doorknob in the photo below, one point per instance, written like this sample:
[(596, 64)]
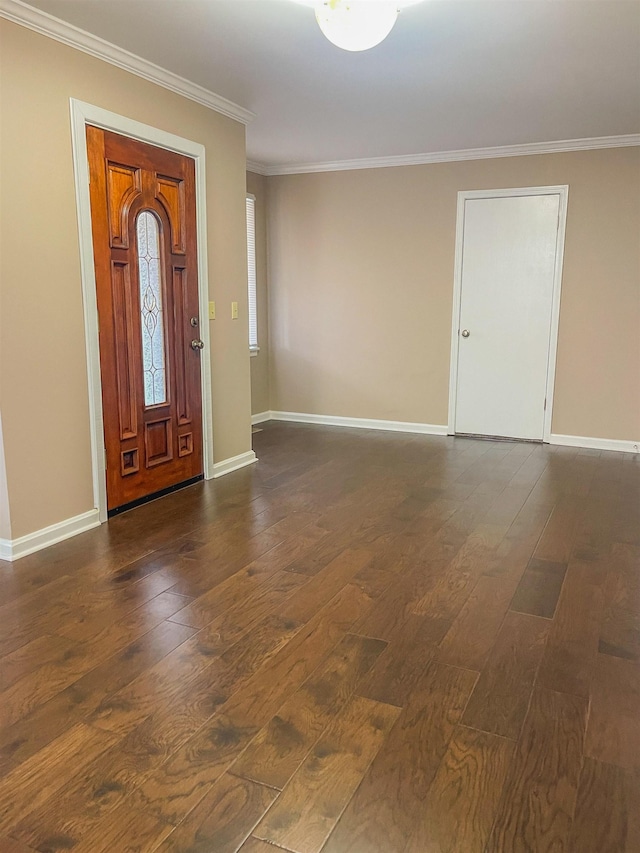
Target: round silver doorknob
[(197, 344), (465, 333)]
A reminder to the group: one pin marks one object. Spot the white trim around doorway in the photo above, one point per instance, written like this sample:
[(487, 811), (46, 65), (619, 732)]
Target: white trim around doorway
[(81, 115), (563, 192)]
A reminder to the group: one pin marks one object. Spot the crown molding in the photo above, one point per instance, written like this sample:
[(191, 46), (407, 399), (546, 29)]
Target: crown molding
[(258, 168), (52, 27), (558, 147), (48, 25)]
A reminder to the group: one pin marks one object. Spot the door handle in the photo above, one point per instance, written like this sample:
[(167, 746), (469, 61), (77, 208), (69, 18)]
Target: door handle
[(465, 333), (197, 344)]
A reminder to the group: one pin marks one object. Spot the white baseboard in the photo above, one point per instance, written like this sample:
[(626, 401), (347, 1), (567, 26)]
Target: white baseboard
[(234, 463), (433, 429), (596, 443), (359, 423), (13, 549), (260, 418)]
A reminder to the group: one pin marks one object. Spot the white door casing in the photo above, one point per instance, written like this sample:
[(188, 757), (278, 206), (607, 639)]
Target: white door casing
[(81, 115), (509, 246)]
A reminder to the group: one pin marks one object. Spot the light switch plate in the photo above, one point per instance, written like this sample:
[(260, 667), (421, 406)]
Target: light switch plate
[(212, 310), (234, 310)]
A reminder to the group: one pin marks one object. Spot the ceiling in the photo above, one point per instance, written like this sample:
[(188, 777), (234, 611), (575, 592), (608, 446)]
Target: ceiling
[(453, 74)]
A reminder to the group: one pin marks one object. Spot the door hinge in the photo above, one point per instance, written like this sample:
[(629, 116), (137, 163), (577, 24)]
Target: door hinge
[(105, 458), (545, 404)]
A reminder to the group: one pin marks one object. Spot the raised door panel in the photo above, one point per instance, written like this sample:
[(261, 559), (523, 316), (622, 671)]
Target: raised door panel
[(183, 344), (124, 185), (124, 307), (170, 192), (158, 442)]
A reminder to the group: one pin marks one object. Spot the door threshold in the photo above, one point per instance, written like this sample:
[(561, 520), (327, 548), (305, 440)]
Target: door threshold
[(154, 496), (497, 438)]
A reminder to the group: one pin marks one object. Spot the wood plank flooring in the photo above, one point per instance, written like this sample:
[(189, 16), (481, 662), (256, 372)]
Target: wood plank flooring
[(366, 643)]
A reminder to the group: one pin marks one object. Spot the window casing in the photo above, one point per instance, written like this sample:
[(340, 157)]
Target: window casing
[(251, 278)]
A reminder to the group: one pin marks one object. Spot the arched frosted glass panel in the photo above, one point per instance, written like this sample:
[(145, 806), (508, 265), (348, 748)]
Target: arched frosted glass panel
[(151, 310)]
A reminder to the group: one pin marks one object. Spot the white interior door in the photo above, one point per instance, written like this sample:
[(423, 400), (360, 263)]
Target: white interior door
[(507, 270)]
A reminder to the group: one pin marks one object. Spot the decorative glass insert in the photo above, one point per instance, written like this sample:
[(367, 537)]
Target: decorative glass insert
[(151, 309)]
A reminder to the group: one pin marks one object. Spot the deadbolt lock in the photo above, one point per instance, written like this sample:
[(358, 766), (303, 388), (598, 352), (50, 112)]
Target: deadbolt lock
[(194, 321)]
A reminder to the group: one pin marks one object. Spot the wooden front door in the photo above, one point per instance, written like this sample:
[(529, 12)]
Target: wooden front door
[(144, 242)]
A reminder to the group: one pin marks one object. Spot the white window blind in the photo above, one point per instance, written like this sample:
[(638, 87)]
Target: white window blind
[(251, 264)]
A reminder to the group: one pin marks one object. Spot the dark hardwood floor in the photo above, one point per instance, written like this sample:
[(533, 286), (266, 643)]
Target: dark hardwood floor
[(366, 643)]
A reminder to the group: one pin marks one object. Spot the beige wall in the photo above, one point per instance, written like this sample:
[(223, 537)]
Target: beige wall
[(361, 280), (5, 518), (257, 185), (43, 382)]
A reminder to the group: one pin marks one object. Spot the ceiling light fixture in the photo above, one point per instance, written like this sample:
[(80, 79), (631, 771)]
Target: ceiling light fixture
[(356, 24)]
